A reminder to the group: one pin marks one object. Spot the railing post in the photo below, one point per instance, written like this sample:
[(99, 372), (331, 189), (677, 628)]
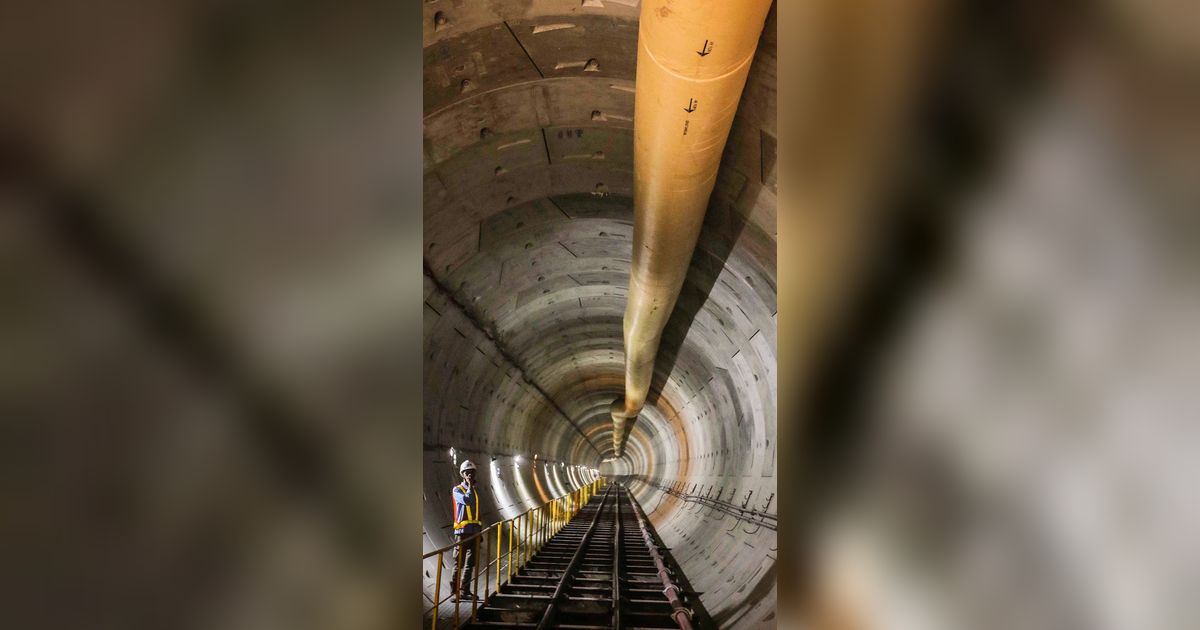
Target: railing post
[(458, 562), (458, 566), (499, 534), (475, 582), (437, 591)]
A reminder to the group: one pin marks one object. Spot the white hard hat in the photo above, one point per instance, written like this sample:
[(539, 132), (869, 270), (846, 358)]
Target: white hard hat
[(466, 465)]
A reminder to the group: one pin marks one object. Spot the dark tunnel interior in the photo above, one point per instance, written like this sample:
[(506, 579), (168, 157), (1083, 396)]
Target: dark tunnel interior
[(527, 246)]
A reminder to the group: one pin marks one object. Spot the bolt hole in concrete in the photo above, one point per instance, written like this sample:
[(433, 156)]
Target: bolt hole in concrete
[(439, 20), (485, 133), (591, 66)]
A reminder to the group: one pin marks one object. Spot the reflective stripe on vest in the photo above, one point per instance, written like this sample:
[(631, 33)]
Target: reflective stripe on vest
[(469, 520)]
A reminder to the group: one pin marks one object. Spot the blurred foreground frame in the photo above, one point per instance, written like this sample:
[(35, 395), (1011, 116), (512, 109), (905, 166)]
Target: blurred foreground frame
[(210, 314), (975, 447)]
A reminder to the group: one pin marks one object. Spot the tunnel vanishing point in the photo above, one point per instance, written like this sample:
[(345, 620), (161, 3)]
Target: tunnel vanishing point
[(600, 290)]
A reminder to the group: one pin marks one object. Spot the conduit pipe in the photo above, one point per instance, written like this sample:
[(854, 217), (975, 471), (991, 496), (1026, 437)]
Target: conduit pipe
[(680, 613), (693, 58)]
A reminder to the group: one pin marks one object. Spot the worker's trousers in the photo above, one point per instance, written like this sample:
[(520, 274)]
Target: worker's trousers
[(464, 561)]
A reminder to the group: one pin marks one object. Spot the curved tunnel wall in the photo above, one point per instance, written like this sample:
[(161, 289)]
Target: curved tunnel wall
[(527, 241)]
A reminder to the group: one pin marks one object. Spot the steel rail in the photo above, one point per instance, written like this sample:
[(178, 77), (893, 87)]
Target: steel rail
[(616, 566), (560, 590)]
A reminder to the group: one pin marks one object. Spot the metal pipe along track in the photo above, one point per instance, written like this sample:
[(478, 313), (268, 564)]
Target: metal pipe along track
[(680, 613)]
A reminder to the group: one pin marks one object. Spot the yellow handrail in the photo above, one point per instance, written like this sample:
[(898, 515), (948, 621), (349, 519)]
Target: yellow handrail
[(549, 518), (573, 498)]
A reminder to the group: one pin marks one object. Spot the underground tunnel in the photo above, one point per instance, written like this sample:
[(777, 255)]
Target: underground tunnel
[(528, 239), (210, 253), (211, 280)]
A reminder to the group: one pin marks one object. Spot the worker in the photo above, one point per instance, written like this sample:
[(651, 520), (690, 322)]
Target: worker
[(466, 525)]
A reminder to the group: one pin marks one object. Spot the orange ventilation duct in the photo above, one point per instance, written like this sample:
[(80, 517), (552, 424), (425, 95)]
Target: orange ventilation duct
[(693, 58)]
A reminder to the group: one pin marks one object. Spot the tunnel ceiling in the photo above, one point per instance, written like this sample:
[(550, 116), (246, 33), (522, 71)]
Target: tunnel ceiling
[(528, 174)]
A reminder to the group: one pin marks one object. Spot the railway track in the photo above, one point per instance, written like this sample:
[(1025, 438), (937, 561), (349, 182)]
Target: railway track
[(604, 569)]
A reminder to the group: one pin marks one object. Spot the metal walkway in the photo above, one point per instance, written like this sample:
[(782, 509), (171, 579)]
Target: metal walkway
[(604, 569)]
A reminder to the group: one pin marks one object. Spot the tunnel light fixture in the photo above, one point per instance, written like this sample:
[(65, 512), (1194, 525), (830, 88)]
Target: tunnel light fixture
[(499, 488), (517, 459)]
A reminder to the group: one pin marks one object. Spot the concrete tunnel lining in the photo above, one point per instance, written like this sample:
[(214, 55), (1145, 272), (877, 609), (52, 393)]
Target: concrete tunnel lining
[(527, 239)]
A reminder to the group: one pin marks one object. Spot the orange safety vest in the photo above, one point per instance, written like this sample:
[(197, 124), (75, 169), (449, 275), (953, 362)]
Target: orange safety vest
[(463, 515)]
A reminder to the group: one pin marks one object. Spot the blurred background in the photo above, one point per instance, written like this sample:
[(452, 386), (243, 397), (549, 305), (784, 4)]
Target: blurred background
[(996, 424), (209, 349), (211, 275)]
